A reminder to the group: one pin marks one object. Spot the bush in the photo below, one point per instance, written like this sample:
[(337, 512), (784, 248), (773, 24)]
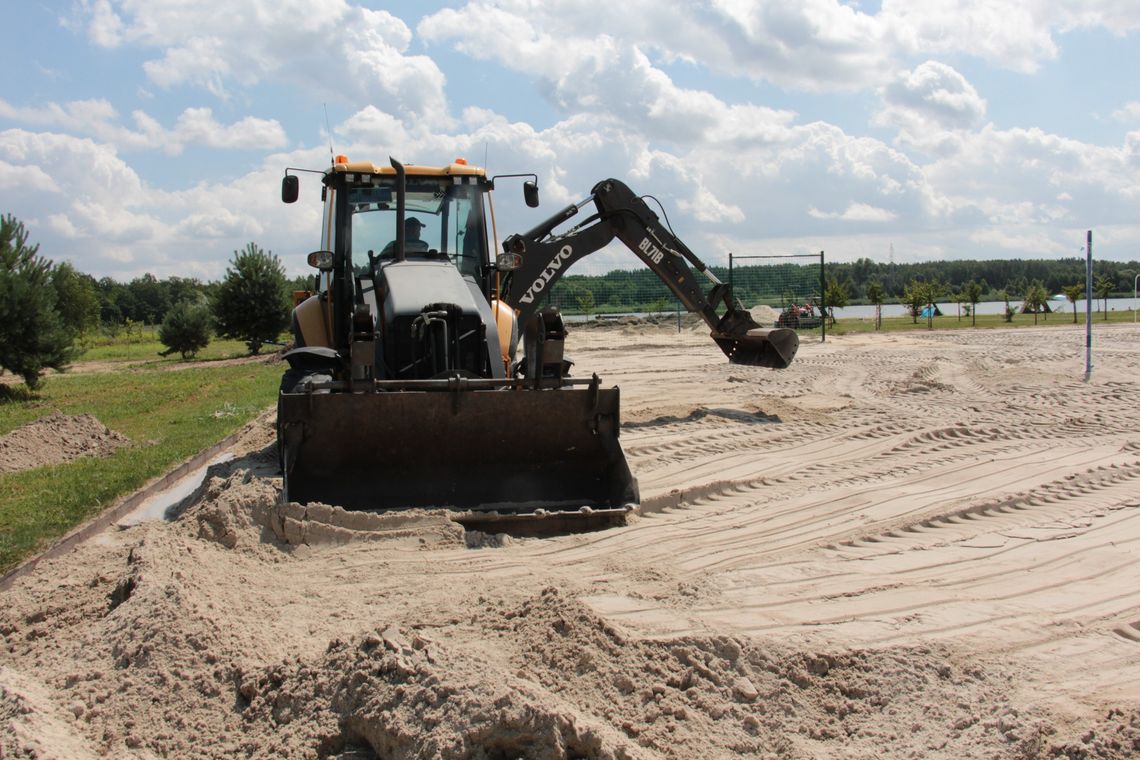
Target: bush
[(33, 335), (186, 329), (252, 303)]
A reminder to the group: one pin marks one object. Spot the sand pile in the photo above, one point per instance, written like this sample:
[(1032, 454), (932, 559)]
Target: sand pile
[(56, 439), (765, 315), (243, 509)]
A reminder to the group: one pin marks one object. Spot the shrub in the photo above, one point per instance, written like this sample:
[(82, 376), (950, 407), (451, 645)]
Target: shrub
[(186, 329)]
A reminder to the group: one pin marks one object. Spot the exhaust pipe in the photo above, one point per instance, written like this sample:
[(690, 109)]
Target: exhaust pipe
[(401, 205)]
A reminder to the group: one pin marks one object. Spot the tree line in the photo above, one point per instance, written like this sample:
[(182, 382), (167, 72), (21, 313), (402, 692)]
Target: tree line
[(847, 283), (1013, 276), (47, 308)]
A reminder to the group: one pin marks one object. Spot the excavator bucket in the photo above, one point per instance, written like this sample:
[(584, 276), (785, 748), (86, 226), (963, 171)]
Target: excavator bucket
[(496, 456), (760, 347), (744, 341)]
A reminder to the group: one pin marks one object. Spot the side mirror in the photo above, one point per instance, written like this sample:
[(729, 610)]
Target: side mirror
[(530, 193), (290, 188), (322, 260)]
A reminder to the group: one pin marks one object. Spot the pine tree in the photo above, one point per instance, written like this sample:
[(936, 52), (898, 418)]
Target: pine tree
[(33, 335), (252, 302)]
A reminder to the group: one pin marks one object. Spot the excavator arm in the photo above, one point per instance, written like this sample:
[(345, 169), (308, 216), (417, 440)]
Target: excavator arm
[(542, 257)]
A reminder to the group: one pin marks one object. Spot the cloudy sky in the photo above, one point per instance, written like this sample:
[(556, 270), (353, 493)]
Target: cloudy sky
[(151, 135)]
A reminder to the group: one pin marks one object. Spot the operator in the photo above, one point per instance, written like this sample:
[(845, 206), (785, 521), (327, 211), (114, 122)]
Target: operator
[(412, 242)]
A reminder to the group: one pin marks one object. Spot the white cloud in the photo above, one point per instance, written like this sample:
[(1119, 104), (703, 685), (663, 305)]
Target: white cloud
[(1028, 175), (929, 106), (198, 126), (338, 51), (1010, 33), (938, 95), (84, 204), (105, 27), (856, 212), (94, 202), (1128, 113), (812, 45), (16, 178), (1013, 34), (815, 45), (195, 126)]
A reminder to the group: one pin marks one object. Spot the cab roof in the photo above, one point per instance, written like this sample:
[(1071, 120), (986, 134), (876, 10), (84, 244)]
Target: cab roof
[(458, 168)]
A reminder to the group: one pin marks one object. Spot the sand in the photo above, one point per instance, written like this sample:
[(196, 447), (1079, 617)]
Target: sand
[(56, 439), (918, 545)]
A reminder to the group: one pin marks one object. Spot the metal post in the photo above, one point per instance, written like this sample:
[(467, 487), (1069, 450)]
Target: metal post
[(731, 284), (1135, 303), (822, 300), (1088, 306)]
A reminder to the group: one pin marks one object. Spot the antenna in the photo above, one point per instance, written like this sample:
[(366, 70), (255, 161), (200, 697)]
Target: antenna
[(328, 128)]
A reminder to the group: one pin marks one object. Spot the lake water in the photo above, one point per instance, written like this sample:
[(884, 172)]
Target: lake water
[(985, 307), (867, 311)]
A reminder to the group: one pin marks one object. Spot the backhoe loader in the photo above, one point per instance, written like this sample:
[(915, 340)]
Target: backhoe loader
[(428, 374)]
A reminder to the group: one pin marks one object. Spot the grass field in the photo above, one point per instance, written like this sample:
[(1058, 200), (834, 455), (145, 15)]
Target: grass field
[(170, 415), (140, 346), (984, 322)]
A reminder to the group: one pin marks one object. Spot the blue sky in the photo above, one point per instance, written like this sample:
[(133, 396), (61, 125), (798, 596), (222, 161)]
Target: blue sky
[(150, 135)]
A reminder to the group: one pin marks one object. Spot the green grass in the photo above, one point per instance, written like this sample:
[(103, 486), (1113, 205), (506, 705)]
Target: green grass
[(169, 415), (141, 347)]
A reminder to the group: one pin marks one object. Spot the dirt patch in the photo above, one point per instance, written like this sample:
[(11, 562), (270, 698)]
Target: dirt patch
[(149, 364), (57, 439)]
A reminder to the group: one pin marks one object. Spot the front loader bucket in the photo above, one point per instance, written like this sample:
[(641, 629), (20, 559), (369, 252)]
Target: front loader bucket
[(493, 453), (759, 347)]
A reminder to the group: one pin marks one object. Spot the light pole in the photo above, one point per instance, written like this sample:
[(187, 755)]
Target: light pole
[(1088, 305)]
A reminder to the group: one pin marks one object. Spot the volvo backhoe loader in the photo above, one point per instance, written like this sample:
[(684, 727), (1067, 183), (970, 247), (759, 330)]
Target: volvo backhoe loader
[(426, 372)]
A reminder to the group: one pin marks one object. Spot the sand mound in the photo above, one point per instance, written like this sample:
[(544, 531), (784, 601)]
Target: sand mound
[(244, 510), (765, 315), (57, 439), (314, 524)]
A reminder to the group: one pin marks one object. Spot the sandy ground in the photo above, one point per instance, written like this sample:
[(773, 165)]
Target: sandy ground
[(55, 439), (919, 545)]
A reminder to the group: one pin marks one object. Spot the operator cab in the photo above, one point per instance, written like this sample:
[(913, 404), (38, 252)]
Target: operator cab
[(444, 219), (410, 270)]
